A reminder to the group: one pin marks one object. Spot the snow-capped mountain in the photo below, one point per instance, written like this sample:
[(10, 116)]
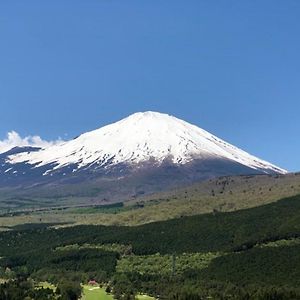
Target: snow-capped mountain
[(165, 145), (140, 138)]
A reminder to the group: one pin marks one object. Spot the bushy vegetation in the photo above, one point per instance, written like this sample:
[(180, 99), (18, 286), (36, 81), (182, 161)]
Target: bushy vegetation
[(23, 288), (269, 266), (190, 286), (165, 264), (86, 262), (105, 209)]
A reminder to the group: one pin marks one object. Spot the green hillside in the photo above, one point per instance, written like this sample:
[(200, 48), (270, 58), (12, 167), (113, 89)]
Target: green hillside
[(215, 195)]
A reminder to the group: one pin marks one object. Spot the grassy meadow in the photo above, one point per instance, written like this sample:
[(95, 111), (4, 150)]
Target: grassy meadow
[(98, 293), (95, 293)]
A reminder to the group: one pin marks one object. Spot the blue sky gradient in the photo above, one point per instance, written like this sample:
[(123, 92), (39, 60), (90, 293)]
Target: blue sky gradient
[(230, 67)]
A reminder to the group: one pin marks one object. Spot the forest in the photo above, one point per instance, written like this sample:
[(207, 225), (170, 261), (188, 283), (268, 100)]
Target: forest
[(247, 254)]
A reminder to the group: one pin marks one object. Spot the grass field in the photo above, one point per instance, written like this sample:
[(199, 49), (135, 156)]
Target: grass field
[(95, 293), (144, 297)]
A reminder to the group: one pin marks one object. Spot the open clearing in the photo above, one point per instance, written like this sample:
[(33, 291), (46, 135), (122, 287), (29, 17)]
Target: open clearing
[(144, 297), (94, 293), (97, 293)]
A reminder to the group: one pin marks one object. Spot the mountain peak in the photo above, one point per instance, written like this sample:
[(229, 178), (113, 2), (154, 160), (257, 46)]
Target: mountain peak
[(149, 115)]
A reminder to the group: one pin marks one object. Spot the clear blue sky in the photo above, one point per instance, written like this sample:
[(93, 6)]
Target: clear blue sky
[(230, 67)]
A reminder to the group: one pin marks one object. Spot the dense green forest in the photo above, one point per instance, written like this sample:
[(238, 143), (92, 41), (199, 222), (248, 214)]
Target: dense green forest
[(247, 254)]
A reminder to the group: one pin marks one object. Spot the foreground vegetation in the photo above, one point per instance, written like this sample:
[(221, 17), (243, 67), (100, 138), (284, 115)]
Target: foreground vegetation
[(247, 254)]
